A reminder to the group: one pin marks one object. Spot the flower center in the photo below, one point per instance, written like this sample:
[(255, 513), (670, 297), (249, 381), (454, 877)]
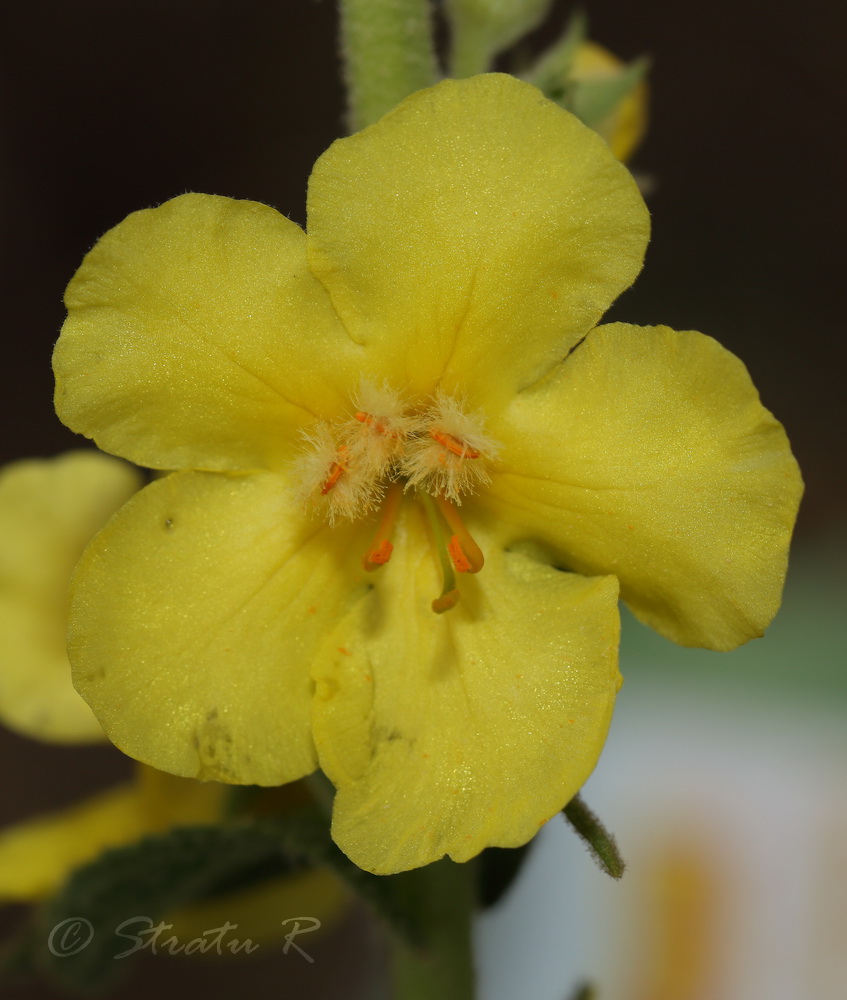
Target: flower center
[(391, 446)]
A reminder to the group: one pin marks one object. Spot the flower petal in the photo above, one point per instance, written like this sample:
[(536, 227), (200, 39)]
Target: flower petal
[(49, 510), (454, 732), (648, 454), (477, 227), (197, 338), (194, 618)]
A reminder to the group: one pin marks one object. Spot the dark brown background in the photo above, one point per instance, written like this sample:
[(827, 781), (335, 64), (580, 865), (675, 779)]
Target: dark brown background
[(108, 107)]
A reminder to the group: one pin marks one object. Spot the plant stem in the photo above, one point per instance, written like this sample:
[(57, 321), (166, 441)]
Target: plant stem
[(388, 54), (471, 50), (442, 967)]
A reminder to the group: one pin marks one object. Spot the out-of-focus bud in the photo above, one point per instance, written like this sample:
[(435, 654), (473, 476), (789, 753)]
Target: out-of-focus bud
[(502, 21), (599, 79), (606, 94), (480, 29)]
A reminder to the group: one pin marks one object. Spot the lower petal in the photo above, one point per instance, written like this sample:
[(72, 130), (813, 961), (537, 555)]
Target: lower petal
[(195, 617), (450, 733)]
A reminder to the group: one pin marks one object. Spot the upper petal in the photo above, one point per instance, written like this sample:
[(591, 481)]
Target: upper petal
[(49, 510), (198, 338), (647, 454), (450, 733), (194, 620), (476, 228)]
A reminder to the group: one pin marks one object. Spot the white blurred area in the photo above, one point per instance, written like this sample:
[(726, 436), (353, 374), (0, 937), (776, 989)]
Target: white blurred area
[(724, 784)]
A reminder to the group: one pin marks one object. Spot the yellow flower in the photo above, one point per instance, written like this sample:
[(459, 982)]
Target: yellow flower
[(430, 327), (49, 510)]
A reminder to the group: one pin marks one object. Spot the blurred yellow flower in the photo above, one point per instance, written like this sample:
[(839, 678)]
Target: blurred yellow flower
[(362, 415), (49, 510), (38, 855)]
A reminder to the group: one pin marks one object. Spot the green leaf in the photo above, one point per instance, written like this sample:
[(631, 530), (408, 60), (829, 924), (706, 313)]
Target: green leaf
[(143, 882), (126, 892), (16, 958), (593, 100), (600, 842)]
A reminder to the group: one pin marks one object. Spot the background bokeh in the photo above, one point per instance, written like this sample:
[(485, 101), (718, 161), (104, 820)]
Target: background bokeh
[(106, 108)]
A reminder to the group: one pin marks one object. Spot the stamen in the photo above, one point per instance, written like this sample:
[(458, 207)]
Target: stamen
[(336, 471), (331, 482), (380, 551), (466, 554), (454, 445), (376, 435), (460, 560), (449, 596), (376, 425), (448, 454), (427, 446), (378, 555)]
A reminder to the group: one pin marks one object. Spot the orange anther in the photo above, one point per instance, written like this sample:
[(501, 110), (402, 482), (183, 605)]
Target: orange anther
[(371, 421), (453, 444), (335, 473), (466, 555), (380, 551), (378, 555), (460, 560)]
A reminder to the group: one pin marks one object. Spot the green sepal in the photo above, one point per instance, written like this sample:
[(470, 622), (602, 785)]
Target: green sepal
[(552, 71), (600, 842), (480, 29)]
